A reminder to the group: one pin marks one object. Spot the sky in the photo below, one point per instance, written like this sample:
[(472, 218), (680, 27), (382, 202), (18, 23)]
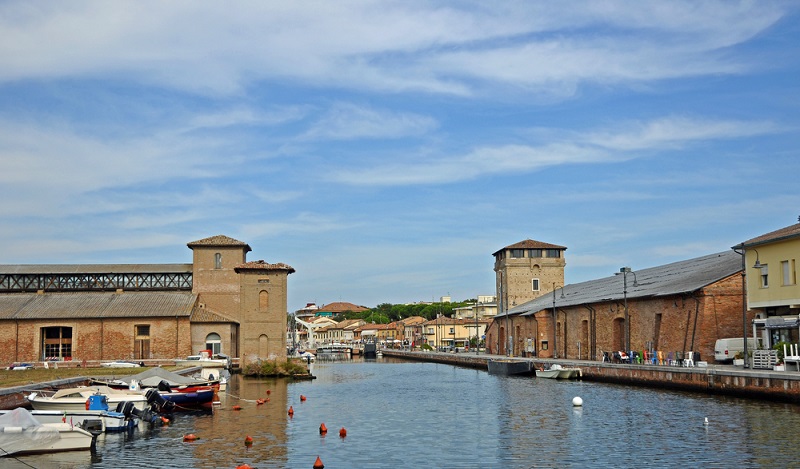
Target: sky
[(385, 149)]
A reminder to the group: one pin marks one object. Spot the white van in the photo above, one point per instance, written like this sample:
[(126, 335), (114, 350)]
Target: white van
[(726, 349)]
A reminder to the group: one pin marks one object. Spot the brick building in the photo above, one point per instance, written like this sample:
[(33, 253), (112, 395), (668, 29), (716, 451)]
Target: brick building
[(220, 302), (678, 307)]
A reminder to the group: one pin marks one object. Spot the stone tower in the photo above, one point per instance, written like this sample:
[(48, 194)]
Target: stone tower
[(527, 270)]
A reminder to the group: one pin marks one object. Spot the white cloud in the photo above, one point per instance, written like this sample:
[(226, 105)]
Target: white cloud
[(347, 121)]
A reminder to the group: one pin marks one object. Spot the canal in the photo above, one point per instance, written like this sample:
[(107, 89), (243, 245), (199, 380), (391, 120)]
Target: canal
[(401, 414)]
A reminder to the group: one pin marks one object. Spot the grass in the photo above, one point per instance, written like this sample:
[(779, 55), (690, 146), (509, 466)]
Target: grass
[(11, 378)]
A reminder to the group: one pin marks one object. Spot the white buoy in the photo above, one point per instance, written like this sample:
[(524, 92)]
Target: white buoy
[(577, 401), (705, 422)]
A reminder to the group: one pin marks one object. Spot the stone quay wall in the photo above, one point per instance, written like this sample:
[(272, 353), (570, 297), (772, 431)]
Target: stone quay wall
[(712, 379)]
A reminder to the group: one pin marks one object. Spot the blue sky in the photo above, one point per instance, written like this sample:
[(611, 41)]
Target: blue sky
[(386, 149)]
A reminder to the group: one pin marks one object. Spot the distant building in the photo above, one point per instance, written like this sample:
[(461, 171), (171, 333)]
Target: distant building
[(220, 302), (339, 307), (484, 308), (527, 270)]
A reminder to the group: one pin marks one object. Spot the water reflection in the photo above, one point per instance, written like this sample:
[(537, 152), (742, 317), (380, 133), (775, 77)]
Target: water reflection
[(408, 414)]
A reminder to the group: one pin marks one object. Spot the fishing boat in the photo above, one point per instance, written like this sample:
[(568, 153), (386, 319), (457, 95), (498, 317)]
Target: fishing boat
[(90, 420), (556, 371), (21, 433), (159, 377)]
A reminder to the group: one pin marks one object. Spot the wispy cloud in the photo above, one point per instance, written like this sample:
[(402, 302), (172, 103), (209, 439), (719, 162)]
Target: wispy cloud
[(347, 121)]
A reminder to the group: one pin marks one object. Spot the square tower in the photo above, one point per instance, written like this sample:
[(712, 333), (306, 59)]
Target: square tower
[(527, 270)]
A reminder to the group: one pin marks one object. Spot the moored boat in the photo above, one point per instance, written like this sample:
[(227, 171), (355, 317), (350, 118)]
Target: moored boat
[(556, 371), (77, 398), (21, 433), (509, 367)]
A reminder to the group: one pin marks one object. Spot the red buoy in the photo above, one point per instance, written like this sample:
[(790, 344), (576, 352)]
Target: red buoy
[(268, 392), (291, 410), (248, 441), (318, 464), (236, 407), (259, 401), (189, 437), (342, 433), (302, 398), (244, 466), (323, 429)]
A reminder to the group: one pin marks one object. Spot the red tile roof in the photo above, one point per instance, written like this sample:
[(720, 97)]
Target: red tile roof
[(792, 231), (531, 244), (341, 307), (261, 265), (218, 241)]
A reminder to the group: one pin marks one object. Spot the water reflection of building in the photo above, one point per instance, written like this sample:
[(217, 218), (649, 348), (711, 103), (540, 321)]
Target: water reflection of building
[(222, 433)]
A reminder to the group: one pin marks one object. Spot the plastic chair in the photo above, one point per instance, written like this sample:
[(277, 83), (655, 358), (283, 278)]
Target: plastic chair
[(688, 359), (660, 356)]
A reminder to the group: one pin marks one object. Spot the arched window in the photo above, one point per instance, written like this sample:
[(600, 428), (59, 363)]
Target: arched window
[(214, 343), (217, 261), (263, 300)]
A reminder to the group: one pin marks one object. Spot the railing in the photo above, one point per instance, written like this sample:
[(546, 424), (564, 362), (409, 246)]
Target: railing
[(764, 359)]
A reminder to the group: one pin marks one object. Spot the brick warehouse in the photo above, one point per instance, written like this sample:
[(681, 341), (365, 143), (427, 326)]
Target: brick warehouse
[(220, 302), (678, 307)]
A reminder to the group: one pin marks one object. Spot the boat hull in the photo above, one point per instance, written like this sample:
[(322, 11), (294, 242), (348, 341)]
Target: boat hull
[(110, 421), (509, 367), (75, 398)]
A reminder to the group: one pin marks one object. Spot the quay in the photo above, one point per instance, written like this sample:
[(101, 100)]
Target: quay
[(712, 379)]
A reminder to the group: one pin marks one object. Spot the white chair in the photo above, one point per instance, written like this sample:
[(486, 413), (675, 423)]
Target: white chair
[(688, 359), (792, 356)]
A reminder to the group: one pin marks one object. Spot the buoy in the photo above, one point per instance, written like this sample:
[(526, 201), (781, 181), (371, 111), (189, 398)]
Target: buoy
[(259, 401), (236, 407), (323, 429), (189, 437), (244, 466), (577, 401), (705, 422), (164, 421), (248, 441), (302, 398), (291, 410), (268, 392), (318, 464), (342, 432)]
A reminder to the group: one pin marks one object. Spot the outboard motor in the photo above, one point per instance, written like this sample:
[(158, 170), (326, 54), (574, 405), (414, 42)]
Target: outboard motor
[(164, 386), (158, 402)]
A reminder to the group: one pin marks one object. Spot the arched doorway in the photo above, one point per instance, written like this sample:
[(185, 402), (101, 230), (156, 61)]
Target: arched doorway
[(214, 343)]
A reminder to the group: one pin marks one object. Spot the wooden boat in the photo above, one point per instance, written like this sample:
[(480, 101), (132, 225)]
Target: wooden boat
[(556, 371), (509, 366), (76, 398), (21, 433)]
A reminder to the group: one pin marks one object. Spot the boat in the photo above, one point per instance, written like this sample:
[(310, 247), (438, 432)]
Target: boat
[(335, 351), (121, 364), (89, 420), (159, 377), (21, 433), (507, 367), (556, 371), (77, 398)]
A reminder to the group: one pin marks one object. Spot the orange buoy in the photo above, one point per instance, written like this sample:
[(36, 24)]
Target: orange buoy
[(259, 401), (164, 421), (248, 441), (291, 410), (323, 429), (189, 437), (244, 466), (318, 464), (236, 407), (342, 432), (302, 398), (268, 392)]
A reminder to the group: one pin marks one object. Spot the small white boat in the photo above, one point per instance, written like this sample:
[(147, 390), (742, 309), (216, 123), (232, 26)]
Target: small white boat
[(76, 398), (556, 371), (21, 433), (89, 420), (121, 364)]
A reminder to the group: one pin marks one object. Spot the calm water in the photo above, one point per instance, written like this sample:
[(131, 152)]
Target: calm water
[(401, 414)]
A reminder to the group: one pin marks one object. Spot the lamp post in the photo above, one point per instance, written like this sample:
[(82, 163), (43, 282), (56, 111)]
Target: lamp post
[(757, 265), (625, 271), (555, 320), (477, 334)]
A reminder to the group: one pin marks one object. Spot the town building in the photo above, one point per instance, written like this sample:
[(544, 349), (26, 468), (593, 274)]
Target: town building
[(527, 270), (675, 308), (450, 333), (773, 295), (220, 302)]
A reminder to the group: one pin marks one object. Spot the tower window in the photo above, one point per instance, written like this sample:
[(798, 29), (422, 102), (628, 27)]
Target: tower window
[(517, 253), (217, 261), (535, 284), (534, 253), (553, 253)]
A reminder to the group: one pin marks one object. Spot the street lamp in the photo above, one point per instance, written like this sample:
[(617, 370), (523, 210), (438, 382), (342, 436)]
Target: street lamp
[(555, 320), (757, 265), (625, 271)]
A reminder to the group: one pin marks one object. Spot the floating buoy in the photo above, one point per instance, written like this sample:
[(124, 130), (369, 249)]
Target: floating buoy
[(577, 401), (705, 422), (164, 421), (342, 433), (244, 466), (259, 401), (323, 429), (189, 437), (236, 407), (318, 464), (291, 410), (268, 392), (302, 398), (248, 441)]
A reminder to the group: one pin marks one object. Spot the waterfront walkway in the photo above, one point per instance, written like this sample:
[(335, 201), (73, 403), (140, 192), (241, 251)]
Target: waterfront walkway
[(712, 378)]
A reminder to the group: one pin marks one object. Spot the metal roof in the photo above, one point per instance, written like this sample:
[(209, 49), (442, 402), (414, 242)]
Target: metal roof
[(670, 279), (96, 305), (94, 268)]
